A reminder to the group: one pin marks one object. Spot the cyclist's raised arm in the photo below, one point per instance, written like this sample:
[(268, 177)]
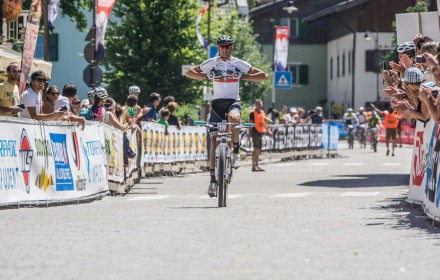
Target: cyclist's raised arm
[(195, 73), (255, 75)]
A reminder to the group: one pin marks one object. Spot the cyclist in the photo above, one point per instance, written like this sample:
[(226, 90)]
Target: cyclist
[(226, 72), (350, 120), (374, 124), (362, 123)]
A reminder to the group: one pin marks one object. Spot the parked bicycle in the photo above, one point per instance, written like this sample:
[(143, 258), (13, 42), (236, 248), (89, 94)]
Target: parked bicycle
[(223, 153)]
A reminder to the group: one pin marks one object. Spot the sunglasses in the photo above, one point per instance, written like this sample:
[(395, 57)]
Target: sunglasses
[(54, 93), (76, 103), (40, 80), (227, 47), (15, 71)]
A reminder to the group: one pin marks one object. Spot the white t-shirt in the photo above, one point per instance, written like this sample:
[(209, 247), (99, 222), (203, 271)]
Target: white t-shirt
[(31, 99), (226, 87), (289, 119), (61, 101)]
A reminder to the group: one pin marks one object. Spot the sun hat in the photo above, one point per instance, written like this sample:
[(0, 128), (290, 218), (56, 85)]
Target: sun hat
[(413, 75)]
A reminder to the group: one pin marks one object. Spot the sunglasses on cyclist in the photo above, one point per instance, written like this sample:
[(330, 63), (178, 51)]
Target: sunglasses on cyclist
[(226, 47)]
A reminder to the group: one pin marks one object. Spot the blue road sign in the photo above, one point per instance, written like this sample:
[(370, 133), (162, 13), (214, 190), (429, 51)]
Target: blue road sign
[(213, 51), (283, 80)]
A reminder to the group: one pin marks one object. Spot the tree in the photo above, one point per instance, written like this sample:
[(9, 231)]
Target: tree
[(147, 46)]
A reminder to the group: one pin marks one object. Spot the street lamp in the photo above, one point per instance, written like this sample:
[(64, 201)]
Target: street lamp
[(376, 58), (290, 8)]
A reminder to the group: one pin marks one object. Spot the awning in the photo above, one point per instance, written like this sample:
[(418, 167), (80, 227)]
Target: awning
[(7, 56)]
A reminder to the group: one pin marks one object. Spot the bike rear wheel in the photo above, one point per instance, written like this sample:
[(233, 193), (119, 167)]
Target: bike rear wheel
[(222, 190)]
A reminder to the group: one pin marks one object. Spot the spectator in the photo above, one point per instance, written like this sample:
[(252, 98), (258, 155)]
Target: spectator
[(172, 120), (110, 117), (84, 112), (9, 97), (151, 115), (164, 119), (97, 111), (52, 94), (257, 132), (290, 115), (76, 106), (166, 101), (317, 117), (67, 96), (32, 99), (132, 112)]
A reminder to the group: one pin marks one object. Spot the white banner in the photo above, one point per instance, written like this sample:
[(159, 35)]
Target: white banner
[(187, 144), (281, 48), (50, 162)]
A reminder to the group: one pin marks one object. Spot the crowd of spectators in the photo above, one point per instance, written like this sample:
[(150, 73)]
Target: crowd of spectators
[(295, 116)]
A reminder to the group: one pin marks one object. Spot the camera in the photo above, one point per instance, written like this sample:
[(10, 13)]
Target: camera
[(434, 93), (420, 59), (22, 106)]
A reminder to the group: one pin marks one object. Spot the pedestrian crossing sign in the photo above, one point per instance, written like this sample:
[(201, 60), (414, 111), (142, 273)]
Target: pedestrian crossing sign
[(283, 80)]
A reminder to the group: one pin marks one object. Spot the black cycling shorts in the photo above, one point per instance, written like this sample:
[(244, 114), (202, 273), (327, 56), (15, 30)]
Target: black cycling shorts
[(221, 107)]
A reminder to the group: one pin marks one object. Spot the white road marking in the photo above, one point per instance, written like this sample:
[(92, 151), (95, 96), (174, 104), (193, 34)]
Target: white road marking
[(318, 164), (290, 195), (390, 164), (232, 196), (354, 164), (284, 164), (152, 197), (351, 194)]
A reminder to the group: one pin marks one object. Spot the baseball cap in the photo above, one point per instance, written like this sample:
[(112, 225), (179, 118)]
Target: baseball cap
[(413, 75), (39, 75), (85, 102), (318, 108), (293, 110)]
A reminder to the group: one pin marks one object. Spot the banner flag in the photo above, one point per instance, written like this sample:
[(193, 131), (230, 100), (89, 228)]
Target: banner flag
[(54, 6), (199, 35), (30, 41), (103, 11), (281, 48)]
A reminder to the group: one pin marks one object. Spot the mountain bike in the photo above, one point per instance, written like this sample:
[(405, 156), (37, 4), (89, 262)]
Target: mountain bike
[(362, 136), (223, 155), (350, 135)]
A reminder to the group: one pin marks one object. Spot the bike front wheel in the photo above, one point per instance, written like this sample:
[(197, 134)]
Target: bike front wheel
[(222, 190)]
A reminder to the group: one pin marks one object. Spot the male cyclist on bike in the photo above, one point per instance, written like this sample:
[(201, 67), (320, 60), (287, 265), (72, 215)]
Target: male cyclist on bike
[(374, 124), (226, 72), (350, 121), (362, 125)]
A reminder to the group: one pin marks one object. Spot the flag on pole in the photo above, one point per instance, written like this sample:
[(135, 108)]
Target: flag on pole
[(199, 35), (281, 48), (30, 41), (103, 10), (54, 6)]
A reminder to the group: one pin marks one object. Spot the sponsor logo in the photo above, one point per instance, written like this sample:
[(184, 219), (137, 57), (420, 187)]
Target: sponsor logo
[(9, 178), (44, 180), (76, 151), (94, 171), (43, 148), (8, 148), (26, 155), (63, 173), (419, 161)]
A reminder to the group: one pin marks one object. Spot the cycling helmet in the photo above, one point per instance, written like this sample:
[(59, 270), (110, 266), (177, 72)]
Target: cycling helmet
[(406, 47), (225, 40), (100, 92), (134, 90), (349, 110)]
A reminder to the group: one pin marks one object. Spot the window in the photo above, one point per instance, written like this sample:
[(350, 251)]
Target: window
[(337, 66), (297, 28), (300, 73), (349, 62), (343, 64), (373, 60), (331, 68)]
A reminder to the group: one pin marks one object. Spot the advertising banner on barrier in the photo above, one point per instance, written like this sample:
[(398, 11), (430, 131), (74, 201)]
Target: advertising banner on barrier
[(50, 162), (423, 143), (187, 144), (286, 137), (114, 153)]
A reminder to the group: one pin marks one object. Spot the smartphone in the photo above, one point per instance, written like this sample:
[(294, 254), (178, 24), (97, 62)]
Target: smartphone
[(21, 106), (63, 108), (420, 59), (386, 66), (434, 93)]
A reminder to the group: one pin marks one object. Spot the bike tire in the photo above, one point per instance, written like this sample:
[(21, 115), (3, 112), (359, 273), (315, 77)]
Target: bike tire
[(222, 190)]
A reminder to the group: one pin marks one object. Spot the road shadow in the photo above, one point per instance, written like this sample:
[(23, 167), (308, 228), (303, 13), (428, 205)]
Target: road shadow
[(405, 216), (361, 181), (195, 207)]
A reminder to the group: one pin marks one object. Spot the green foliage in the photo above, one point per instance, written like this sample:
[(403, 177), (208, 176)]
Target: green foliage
[(147, 46), (420, 7), (188, 109)]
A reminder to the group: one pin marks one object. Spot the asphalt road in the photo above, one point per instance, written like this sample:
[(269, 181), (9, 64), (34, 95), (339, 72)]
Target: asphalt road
[(342, 218)]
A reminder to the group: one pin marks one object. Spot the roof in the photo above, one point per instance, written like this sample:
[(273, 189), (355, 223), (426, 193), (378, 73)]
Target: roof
[(7, 56), (340, 7)]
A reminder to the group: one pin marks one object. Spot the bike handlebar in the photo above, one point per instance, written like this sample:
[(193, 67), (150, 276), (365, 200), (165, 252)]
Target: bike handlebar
[(214, 124)]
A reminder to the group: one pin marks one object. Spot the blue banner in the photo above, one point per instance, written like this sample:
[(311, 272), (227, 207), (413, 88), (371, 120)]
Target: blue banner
[(330, 136), (63, 174)]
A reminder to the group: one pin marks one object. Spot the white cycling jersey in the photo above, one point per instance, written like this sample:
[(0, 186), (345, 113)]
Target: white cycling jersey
[(226, 83)]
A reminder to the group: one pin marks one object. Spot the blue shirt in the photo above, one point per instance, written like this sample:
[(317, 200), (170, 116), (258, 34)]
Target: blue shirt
[(152, 114)]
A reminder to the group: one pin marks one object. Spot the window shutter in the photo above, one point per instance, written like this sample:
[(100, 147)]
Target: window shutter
[(303, 29), (303, 74), (53, 47), (369, 61)]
